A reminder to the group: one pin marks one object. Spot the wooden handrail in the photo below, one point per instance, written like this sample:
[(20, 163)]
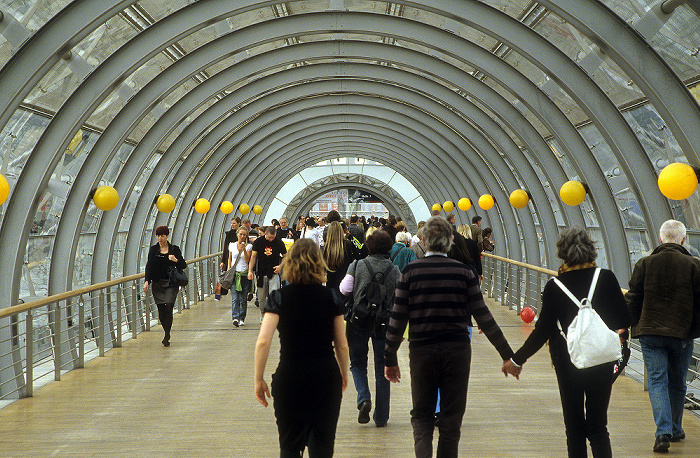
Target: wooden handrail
[(14, 309), (553, 273), (521, 264)]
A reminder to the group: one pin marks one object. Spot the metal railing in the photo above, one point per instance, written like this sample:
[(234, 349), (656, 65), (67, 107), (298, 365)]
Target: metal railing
[(516, 285), (43, 339)]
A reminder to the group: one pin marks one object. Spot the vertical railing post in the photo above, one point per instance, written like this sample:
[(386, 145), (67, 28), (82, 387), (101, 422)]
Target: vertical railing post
[(134, 319), (81, 332), (57, 348), (147, 309), (120, 304), (101, 323), (29, 352), (537, 292), (528, 289), (502, 291), (202, 278), (485, 270), (516, 296)]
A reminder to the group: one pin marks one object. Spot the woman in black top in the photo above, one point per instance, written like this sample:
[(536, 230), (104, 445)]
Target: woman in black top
[(161, 256), (590, 387), (308, 383), (338, 252)]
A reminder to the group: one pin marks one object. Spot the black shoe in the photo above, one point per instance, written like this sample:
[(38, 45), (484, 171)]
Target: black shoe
[(235, 323), (364, 408), (663, 442), (257, 304), (678, 438), (166, 343), (250, 297)]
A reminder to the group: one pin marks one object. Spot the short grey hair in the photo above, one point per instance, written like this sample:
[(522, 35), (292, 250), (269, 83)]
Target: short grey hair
[(575, 246), (672, 231), (402, 237), (437, 234)]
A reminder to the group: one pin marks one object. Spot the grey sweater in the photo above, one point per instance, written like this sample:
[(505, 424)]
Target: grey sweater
[(379, 263)]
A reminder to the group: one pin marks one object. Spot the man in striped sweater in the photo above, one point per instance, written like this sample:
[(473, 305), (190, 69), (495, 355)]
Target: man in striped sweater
[(437, 295)]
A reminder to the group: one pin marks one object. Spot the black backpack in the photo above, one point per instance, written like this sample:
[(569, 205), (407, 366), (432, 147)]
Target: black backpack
[(372, 310)]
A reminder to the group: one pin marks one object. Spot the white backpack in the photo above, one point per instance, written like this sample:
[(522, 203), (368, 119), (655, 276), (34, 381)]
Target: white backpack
[(589, 340)]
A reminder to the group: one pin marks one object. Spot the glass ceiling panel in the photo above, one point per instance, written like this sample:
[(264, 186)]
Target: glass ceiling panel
[(31, 14), (677, 41), (63, 79)]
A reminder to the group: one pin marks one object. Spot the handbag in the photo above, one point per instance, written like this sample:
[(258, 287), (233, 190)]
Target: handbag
[(226, 278), (177, 277)]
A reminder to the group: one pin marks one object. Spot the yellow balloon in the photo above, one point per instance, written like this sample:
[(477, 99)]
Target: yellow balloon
[(464, 204), (226, 207), (437, 207), (678, 181), (257, 209), (486, 201), (572, 193), (106, 198), (244, 209), (165, 203), (201, 206), (519, 198), (4, 189), (448, 206)]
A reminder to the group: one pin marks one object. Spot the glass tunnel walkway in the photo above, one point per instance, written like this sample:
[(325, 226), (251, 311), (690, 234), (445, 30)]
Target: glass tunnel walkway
[(196, 396)]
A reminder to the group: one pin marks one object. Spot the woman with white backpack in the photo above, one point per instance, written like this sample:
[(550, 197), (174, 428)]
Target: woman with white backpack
[(585, 392)]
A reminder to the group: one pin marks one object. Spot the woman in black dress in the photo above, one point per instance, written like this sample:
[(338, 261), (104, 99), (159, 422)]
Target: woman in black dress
[(585, 393), (161, 256), (308, 383)]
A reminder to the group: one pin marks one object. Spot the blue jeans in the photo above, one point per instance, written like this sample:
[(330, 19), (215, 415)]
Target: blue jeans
[(239, 300), (358, 341), (666, 360)]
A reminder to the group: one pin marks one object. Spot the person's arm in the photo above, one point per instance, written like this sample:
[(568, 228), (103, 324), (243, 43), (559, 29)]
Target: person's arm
[(340, 342), (544, 328), (148, 276), (395, 330), (253, 258), (278, 268), (262, 351), (177, 257), (248, 253), (635, 293), (485, 319)]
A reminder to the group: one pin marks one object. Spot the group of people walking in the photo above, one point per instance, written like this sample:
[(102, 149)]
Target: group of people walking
[(430, 288)]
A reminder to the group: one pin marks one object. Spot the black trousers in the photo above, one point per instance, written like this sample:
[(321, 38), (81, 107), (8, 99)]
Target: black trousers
[(306, 396), (165, 315), (444, 367), (585, 396)]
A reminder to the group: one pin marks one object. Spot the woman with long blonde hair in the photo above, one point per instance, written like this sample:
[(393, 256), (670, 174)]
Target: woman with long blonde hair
[(309, 381), (338, 253)]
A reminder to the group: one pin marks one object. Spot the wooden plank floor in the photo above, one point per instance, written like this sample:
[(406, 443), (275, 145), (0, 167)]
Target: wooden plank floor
[(195, 398)]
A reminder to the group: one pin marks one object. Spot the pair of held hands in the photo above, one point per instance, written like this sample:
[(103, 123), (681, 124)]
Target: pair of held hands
[(393, 373)]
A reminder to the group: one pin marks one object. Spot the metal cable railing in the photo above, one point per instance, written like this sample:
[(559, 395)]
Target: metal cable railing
[(516, 285), (56, 334)]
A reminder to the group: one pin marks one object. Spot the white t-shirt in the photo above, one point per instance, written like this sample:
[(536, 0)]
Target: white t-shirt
[(233, 249), (313, 234)]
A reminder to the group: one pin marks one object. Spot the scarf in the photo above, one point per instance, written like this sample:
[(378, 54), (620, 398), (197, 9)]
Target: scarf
[(567, 268)]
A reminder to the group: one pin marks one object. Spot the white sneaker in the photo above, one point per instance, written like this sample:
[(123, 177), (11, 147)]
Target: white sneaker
[(241, 323), (235, 323)]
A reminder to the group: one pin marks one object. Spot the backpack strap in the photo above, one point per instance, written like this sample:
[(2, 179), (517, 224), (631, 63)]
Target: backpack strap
[(574, 299), (397, 253), (594, 282)]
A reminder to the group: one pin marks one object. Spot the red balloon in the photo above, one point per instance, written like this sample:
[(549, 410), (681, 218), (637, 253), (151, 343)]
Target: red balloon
[(527, 314)]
